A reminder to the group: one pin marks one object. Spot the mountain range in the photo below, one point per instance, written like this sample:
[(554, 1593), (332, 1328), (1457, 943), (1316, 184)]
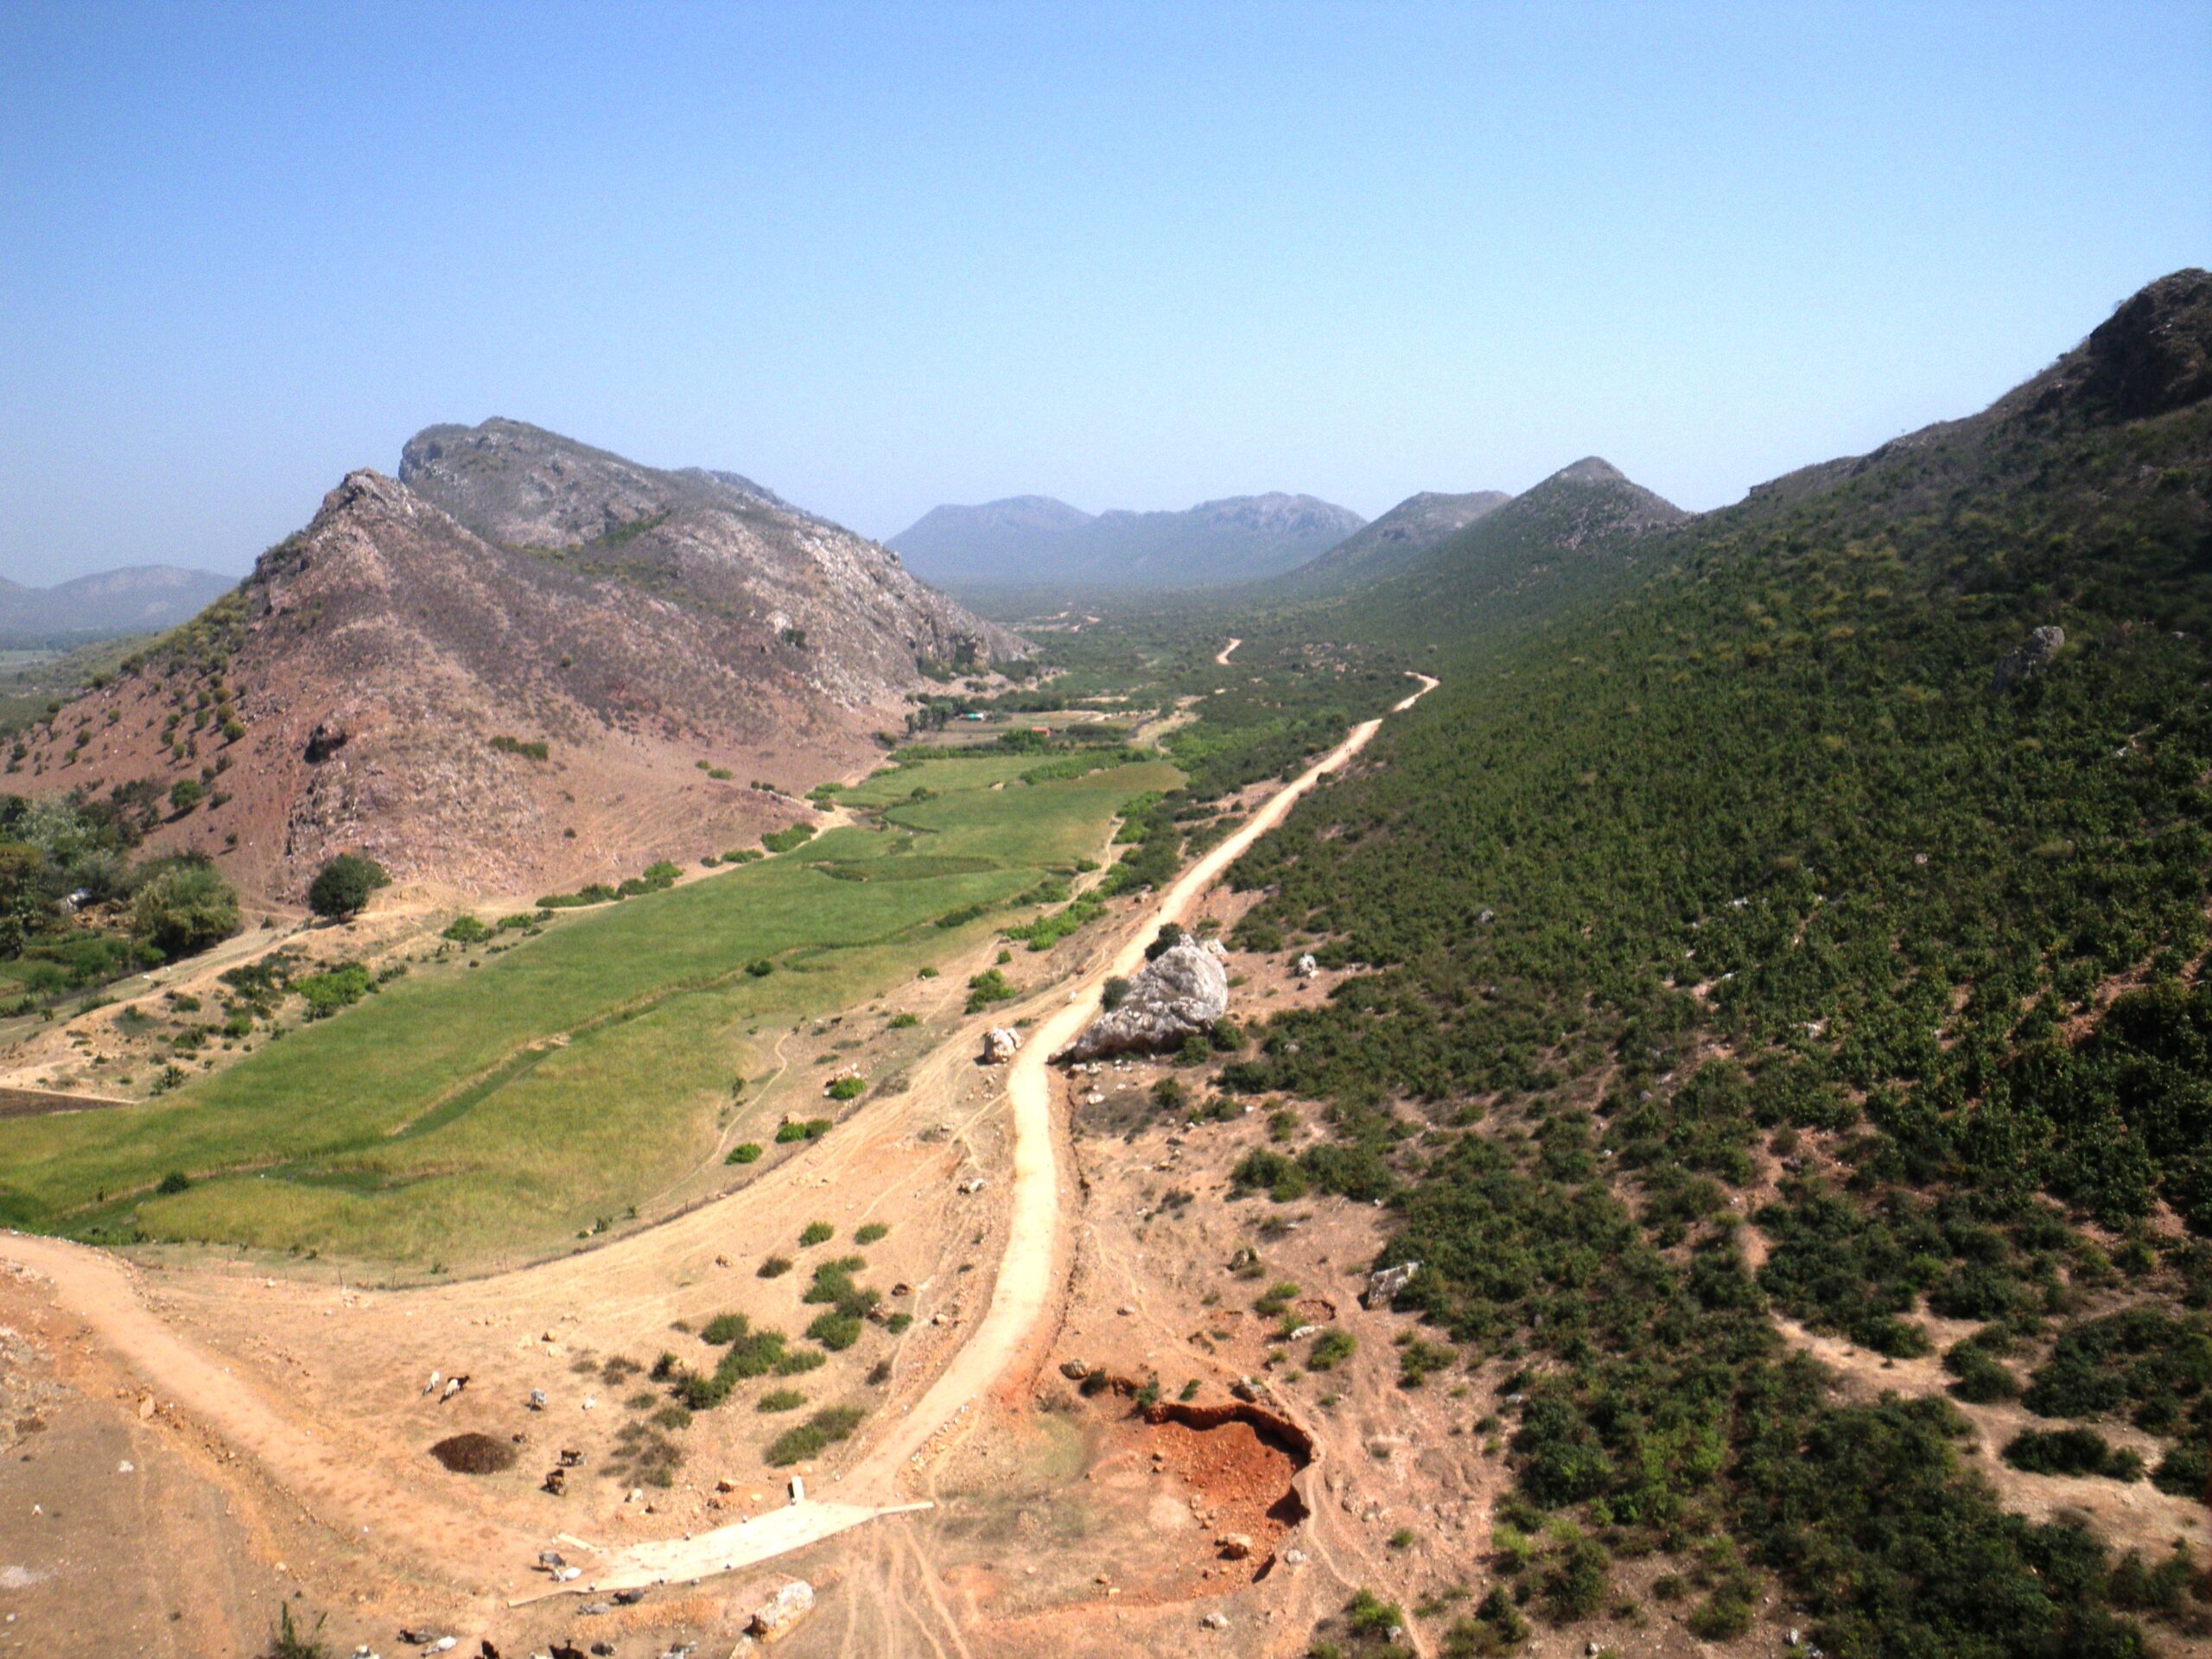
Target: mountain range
[(523, 662), (137, 599), (1029, 540)]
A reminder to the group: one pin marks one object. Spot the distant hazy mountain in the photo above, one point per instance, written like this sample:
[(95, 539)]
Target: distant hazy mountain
[(134, 600), (1032, 540), (1394, 542)]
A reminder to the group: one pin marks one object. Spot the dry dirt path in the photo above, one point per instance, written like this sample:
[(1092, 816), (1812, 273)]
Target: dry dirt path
[(1223, 659), (1029, 1272)]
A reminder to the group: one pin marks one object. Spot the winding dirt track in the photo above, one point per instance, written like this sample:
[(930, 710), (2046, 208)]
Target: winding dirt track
[(1222, 658), (107, 1292), (1030, 1271)]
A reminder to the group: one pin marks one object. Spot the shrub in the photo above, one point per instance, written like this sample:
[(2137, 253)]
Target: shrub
[(1367, 1614), (818, 1232), (760, 968), (822, 1429), (2071, 1452), (780, 1400), (784, 841), (187, 793), (847, 1088), (1113, 992), (775, 1267), (1575, 1588), (175, 1181), (466, 930), (871, 1232), (1330, 1349), (182, 907), (745, 1152), (343, 885), (288, 1641), (987, 987), (835, 1331)]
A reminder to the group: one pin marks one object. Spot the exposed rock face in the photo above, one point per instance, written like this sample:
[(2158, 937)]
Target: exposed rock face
[(848, 605), (1000, 1044), (1183, 990), (2155, 353), (524, 690), (2033, 655)]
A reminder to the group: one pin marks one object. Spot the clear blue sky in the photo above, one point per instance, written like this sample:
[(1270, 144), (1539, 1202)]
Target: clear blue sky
[(882, 256)]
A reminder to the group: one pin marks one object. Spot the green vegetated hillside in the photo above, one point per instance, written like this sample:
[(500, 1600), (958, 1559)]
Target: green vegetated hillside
[(454, 1114), (1730, 905)]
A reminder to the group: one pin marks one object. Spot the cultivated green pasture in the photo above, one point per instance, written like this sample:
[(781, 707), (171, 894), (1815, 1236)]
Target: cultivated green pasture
[(466, 1112)]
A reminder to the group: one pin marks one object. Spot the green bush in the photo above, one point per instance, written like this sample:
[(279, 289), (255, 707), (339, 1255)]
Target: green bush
[(182, 906), (343, 885), (825, 1428), (745, 1152), (816, 1232), (2071, 1452)]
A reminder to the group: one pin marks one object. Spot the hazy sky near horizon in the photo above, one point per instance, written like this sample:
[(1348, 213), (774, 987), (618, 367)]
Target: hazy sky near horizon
[(880, 256)]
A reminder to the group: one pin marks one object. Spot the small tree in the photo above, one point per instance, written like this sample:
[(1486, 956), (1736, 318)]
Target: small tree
[(343, 885)]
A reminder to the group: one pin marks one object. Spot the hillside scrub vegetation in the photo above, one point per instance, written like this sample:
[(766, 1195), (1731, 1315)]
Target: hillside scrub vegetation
[(79, 906), (1787, 822)]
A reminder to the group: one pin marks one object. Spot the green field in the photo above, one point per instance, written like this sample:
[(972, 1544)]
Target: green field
[(441, 1120)]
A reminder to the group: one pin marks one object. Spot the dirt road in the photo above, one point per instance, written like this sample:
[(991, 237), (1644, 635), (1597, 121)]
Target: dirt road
[(1222, 658), (1032, 1265)]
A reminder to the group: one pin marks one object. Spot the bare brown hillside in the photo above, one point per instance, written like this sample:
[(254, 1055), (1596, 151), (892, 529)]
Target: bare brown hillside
[(530, 665)]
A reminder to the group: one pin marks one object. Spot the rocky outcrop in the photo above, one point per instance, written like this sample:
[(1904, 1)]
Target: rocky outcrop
[(1384, 1284), (1001, 1044), (523, 665), (773, 1619), (2033, 655), (1183, 991)]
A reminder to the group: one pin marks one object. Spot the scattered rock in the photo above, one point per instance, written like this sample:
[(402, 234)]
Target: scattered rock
[(791, 1603), (1234, 1546), (2033, 655), (1216, 1620), (999, 1044), (1307, 967), (1383, 1287)]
